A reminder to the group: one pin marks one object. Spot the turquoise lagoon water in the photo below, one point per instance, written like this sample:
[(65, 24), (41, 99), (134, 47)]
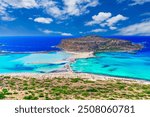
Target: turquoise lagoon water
[(30, 60), (115, 64), (33, 62)]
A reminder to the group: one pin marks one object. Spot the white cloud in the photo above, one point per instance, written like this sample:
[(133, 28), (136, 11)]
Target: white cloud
[(98, 30), (66, 34), (97, 19), (55, 32), (138, 2), (105, 19), (68, 8), (101, 16), (7, 18), (136, 29), (51, 7), (112, 28), (71, 7), (135, 2), (3, 8), (15, 4), (43, 20), (47, 31), (58, 9), (21, 3), (4, 16), (78, 7), (112, 21), (30, 18)]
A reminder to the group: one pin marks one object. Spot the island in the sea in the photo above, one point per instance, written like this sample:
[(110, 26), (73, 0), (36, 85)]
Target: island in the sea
[(98, 44)]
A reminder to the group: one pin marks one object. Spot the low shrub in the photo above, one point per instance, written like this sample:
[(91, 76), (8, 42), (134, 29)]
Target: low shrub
[(2, 96)]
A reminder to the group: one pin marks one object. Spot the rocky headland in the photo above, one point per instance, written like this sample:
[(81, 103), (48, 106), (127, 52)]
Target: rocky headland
[(98, 44)]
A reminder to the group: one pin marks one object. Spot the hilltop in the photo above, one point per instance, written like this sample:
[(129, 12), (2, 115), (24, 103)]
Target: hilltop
[(97, 44), (72, 88)]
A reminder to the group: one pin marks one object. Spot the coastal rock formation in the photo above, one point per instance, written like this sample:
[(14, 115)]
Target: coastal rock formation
[(98, 44)]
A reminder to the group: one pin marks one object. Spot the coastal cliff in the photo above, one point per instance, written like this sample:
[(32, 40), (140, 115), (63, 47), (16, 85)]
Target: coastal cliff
[(98, 44)]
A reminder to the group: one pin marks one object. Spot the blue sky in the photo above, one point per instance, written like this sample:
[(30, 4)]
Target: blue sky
[(74, 17)]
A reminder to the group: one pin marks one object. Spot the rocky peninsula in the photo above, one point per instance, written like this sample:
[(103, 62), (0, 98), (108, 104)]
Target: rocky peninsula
[(98, 44)]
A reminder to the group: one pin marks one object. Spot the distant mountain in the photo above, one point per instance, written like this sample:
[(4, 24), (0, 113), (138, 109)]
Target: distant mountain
[(98, 44)]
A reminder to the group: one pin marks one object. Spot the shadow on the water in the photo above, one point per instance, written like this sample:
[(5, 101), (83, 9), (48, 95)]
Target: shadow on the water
[(113, 69), (19, 67), (105, 66)]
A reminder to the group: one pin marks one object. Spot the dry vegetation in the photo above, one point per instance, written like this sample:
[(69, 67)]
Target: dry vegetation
[(63, 88)]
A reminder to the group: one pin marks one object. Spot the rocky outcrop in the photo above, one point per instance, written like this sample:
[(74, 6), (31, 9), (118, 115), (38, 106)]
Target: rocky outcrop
[(97, 44)]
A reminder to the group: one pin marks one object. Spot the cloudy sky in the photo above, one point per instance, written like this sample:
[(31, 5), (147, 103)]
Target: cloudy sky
[(74, 17)]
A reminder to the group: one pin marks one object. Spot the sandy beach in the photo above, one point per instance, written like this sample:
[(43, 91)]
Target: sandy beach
[(78, 55)]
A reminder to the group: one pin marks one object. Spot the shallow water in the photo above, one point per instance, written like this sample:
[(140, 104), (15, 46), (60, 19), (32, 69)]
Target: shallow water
[(115, 64), (33, 62)]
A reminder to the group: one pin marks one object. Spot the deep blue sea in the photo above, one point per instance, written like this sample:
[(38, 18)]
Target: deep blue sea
[(41, 55), (29, 44)]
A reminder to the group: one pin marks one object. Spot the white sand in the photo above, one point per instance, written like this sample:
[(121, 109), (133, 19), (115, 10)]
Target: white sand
[(78, 55)]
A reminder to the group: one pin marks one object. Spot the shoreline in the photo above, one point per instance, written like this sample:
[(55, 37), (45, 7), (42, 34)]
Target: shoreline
[(92, 77), (67, 72), (80, 55), (74, 56)]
